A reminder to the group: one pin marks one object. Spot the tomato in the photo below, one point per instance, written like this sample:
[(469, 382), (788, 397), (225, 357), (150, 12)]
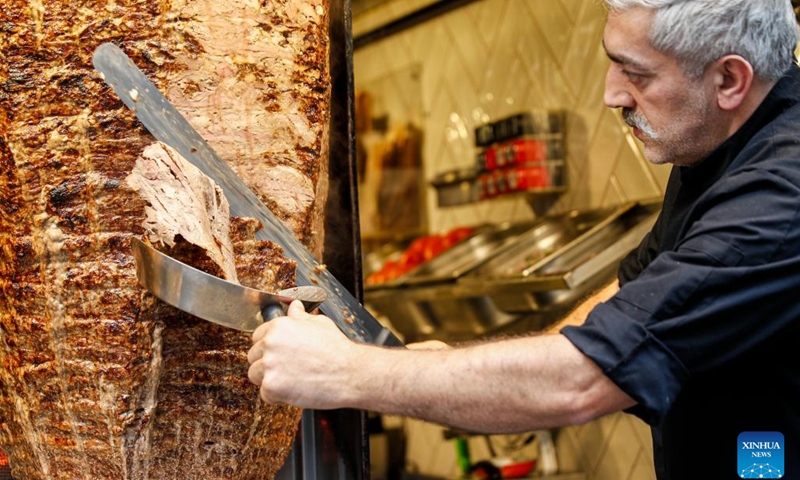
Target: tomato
[(395, 272), (434, 246), (389, 265), (410, 259), (418, 245), (375, 278), (459, 234)]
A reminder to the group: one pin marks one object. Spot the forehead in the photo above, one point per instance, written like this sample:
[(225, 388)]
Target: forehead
[(626, 39)]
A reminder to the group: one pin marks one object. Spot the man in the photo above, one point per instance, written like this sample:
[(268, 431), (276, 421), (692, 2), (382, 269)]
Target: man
[(698, 340)]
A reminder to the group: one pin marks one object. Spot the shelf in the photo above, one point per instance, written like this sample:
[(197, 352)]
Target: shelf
[(463, 193)]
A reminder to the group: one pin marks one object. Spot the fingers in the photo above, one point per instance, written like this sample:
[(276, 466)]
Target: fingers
[(295, 358), (259, 372), (259, 332), (296, 308), (256, 373), (256, 352)]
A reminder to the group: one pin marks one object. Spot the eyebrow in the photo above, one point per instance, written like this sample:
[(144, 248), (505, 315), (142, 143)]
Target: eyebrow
[(624, 60)]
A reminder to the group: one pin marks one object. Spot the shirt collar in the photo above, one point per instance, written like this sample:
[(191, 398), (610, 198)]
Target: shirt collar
[(783, 95)]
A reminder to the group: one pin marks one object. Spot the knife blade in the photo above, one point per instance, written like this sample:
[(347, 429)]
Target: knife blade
[(212, 298), (167, 125)]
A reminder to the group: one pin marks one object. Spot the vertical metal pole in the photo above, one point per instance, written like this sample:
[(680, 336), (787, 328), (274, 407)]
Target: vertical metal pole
[(334, 445)]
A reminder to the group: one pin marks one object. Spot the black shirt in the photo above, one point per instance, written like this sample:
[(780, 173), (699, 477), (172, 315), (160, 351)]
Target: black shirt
[(705, 331)]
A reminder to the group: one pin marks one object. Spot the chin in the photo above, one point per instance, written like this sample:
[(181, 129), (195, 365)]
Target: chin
[(656, 157)]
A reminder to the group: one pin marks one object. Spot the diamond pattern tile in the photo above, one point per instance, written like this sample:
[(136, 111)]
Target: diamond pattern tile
[(635, 178), (642, 468), (573, 9), (487, 16), (551, 22), (621, 453), (479, 63)]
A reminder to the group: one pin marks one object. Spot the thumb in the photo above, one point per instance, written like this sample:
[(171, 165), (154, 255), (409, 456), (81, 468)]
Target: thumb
[(429, 345), (296, 308)]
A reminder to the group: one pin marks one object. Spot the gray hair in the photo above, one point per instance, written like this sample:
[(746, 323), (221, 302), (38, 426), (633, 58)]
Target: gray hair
[(698, 32)]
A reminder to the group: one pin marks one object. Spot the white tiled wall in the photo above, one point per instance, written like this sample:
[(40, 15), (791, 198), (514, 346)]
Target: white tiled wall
[(482, 62), (493, 58)]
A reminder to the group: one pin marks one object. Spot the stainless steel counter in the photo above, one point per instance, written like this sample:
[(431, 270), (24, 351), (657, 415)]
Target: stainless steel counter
[(513, 276)]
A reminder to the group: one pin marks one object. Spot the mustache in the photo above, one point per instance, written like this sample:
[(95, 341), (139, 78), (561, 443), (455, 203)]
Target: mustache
[(635, 119)]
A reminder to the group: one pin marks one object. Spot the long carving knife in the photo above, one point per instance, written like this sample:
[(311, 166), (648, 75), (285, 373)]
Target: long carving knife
[(167, 125)]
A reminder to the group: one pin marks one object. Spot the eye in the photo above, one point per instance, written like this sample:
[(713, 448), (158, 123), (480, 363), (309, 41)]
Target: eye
[(633, 77)]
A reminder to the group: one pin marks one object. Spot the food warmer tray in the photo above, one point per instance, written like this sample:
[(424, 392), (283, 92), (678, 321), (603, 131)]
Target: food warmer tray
[(561, 261), (465, 307), (446, 311), (427, 302), (467, 255)]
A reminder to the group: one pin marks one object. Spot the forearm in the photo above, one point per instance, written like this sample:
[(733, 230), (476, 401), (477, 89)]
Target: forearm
[(505, 386), (511, 386)]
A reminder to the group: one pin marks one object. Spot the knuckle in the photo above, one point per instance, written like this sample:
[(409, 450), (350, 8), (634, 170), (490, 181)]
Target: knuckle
[(269, 392)]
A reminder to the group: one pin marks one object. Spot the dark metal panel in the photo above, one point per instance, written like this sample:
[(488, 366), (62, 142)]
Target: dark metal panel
[(413, 19), (334, 445), (343, 430), (342, 233)]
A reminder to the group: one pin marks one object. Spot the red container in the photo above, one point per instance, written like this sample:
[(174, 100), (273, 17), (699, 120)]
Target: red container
[(501, 181), (487, 159), (522, 151), (488, 186), (515, 152), (517, 470), (529, 177)]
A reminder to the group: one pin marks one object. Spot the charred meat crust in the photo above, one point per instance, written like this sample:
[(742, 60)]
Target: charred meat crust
[(98, 380)]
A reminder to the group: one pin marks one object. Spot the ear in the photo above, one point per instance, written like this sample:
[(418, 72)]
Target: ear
[(733, 77)]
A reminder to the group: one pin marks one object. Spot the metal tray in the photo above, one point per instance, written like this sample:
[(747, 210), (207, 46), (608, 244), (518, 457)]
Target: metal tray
[(540, 243), (561, 276), (447, 311), (401, 281), (449, 299), (545, 270), (467, 255), (457, 187)]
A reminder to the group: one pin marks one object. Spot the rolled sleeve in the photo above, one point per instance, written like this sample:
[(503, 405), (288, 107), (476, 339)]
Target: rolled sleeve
[(633, 358), (727, 288)]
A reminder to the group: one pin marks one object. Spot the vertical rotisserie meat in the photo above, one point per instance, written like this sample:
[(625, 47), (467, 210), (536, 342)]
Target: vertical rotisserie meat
[(98, 380)]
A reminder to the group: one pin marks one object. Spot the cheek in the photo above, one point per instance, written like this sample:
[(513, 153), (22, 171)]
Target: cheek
[(663, 115)]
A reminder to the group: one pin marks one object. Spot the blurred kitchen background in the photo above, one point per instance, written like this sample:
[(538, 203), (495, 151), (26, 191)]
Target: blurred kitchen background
[(495, 190)]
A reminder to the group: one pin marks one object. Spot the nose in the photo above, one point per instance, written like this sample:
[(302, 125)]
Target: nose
[(616, 94)]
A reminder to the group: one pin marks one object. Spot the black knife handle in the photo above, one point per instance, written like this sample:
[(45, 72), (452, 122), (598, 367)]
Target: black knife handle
[(386, 338), (272, 311), (392, 341)]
